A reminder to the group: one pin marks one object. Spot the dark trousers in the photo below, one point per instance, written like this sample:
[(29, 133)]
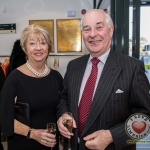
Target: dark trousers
[(1, 146)]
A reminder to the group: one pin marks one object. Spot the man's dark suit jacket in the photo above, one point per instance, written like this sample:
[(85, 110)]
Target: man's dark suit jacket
[(109, 110)]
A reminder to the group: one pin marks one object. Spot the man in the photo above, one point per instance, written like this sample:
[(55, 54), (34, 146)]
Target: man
[(121, 89)]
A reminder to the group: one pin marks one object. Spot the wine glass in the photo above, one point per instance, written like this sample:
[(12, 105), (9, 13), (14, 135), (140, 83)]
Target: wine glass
[(51, 128), (68, 123)]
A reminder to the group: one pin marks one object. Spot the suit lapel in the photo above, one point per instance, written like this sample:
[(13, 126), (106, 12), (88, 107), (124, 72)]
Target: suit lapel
[(108, 77), (77, 80)]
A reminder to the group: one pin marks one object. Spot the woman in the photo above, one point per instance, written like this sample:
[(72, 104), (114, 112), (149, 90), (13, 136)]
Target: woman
[(39, 86), (2, 80)]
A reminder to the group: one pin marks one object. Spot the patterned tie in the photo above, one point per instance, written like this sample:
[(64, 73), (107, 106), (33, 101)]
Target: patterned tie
[(87, 95)]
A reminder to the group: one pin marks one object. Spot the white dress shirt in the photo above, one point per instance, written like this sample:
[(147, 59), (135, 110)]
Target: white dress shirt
[(88, 70)]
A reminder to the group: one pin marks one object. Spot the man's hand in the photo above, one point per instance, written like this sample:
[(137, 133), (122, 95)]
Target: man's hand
[(98, 140), (63, 130)]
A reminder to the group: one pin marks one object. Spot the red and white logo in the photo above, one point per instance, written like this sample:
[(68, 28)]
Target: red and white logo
[(138, 126)]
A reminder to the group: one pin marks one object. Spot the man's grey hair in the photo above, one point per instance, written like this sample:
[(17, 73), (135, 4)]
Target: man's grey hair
[(107, 18)]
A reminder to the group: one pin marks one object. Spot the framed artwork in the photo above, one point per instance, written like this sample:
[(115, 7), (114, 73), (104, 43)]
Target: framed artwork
[(49, 24), (69, 38)]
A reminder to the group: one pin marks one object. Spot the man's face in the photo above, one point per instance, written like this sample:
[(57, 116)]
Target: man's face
[(96, 33)]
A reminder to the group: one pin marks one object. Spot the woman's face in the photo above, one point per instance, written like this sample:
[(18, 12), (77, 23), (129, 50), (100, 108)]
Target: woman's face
[(36, 48)]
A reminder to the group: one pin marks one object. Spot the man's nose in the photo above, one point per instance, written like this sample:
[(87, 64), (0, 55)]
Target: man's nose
[(93, 33)]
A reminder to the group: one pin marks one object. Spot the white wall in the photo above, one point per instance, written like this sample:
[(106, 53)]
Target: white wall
[(21, 11)]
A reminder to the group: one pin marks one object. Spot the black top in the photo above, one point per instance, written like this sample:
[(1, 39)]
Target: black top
[(42, 95), (2, 80)]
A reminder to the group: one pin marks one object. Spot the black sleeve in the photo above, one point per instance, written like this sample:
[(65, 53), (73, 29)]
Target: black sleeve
[(7, 97), (62, 106), (59, 79), (139, 102)]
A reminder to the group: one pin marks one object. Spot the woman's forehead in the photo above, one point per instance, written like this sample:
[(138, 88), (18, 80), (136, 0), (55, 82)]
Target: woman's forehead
[(36, 36)]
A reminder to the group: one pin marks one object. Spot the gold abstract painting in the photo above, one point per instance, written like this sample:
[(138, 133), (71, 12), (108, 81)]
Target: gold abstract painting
[(68, 35), (49, 24)]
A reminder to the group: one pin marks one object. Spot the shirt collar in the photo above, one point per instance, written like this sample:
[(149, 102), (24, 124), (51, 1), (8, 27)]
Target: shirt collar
[(102, 58)]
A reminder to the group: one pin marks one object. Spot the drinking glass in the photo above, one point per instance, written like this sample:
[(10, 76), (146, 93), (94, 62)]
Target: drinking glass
[(68, 123), (51, 128)]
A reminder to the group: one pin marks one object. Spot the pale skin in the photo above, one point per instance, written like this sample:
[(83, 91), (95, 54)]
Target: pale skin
[(97, 37), (98, 140), (37, 51), (63, 130), (39, 135)]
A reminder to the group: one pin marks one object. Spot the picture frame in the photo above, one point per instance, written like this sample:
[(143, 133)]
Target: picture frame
[(69, 37), (49, 24)]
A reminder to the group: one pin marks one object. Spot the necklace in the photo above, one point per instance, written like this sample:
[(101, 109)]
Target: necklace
[(35, 72)]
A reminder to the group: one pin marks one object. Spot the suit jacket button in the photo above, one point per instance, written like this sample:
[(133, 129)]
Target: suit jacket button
[(115, 101)]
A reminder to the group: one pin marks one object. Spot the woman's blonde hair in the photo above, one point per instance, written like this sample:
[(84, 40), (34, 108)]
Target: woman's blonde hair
[(37, 30)]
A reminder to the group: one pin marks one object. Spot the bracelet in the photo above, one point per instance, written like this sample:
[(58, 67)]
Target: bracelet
[(29, 132)]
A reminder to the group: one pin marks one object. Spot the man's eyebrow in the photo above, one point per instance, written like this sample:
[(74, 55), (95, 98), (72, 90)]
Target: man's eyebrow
[(99, 23), (86, 26)]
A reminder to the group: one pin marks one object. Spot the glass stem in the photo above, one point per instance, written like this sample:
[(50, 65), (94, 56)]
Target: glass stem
[(69, 148)]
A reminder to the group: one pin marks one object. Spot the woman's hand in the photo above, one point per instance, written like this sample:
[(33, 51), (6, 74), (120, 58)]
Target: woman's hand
[(43, 137), (39, 135)]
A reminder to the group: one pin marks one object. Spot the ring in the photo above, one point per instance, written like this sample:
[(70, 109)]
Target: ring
[(45, 142)]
